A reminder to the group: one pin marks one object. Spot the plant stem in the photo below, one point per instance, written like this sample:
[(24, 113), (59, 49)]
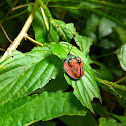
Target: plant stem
[(122, 79), (111, 84), (29, 38), (108, 4), (107, 54), (1, 49), (18, 14), (44, 17), (20, 6), (5, 33), (46, 23), (22, 33), (45, 8)]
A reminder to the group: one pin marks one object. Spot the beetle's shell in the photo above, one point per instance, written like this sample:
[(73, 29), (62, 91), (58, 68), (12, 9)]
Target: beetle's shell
[(74, 67)]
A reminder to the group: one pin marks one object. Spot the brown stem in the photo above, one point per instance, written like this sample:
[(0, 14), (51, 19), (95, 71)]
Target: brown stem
[(21, 35)]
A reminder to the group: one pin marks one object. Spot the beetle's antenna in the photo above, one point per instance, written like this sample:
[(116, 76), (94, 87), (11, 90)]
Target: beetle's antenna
[(69, 49)]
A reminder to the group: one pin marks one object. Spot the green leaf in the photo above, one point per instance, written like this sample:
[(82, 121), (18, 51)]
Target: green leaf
[(87, 120), (30, 109), (84, 43), (47, 123), (54, 35), (122, 98), (103, 72), (122, 119), (100, 109), (107, 44), (116, 89), (110, 122), (122, 57), (39, 27), (21, 74), (92, 24), (105, 27), (54, 85), (70, 26), (122, 33), (62, 29), (85, 89)]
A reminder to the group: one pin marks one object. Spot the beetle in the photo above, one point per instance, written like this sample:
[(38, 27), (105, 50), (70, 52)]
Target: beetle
[(73, 66)]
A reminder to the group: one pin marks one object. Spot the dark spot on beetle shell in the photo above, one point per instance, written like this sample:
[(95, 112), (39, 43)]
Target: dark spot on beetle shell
[(73, 65), (73, 69), (75, 74), (70, 66)]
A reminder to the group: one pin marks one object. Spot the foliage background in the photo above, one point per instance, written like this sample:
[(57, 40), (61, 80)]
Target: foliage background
[(104, 22)]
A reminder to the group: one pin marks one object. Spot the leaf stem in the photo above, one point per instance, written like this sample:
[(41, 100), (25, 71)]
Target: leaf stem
[(111, 84), (108, 4), (46, 10), (46, 23), (5, 33), (107, 54), (44, 17), (32, 40), (22, 33), (18, 14), (122, 79), (20, 6)]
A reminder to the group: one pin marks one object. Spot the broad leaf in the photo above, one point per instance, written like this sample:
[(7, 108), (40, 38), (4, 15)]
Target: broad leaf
[(102, 72), (84, 43), (39, 26), (54, 35), (122, 99), (41, 34), (62, 29), (105, 27), (122, 119), (92, 24), (30, 109), (122, 33), (47, 123), (122, 57), (100, 109), (87, 120), (71, 27), (21, 74), (107, 44), (118, 90), (54, 85), (85, 89), (110, 122)]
